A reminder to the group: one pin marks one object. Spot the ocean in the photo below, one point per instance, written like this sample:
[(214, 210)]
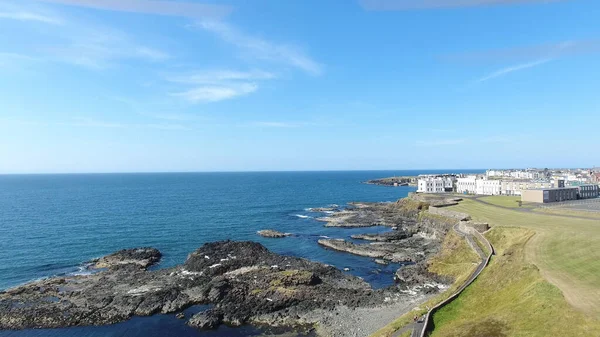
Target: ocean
[(52, 224)]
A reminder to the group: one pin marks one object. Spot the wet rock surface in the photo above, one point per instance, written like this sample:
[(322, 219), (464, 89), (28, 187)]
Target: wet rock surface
[(394, 235), (270, 233), (243, 280), (142, 257), (410, 250)]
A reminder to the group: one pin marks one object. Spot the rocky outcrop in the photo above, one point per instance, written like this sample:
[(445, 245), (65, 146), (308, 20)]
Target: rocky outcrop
[(367, 215), (242, 280), (332, 208), (141, 257), (417, 274), (394, 181), (394, 235), (409, 250), (270, 233)]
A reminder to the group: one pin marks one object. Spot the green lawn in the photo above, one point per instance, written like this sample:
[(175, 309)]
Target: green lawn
[(511, 298), (565, 249), (507, 201), (571, 212)]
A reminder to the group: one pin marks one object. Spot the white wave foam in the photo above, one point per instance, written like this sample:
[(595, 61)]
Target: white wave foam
[(302, 216)]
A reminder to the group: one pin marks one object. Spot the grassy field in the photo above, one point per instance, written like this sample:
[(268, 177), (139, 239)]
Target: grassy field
[(507, 201), (511, 298), (571, 212), (565, 250), (457, 260)]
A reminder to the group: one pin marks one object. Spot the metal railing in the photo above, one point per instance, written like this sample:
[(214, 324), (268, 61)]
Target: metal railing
[(477, 272)]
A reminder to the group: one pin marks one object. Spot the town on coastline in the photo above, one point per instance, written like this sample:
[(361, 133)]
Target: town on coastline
[(532, 185)]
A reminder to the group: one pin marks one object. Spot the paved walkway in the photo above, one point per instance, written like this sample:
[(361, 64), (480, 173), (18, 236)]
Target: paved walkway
[(417, 327)]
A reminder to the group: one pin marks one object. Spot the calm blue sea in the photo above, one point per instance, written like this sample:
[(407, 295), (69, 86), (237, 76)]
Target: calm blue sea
[(51, 224)]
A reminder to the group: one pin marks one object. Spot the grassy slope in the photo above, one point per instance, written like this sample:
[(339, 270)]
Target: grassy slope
[(511, 298), (565, 250), (456, 259)]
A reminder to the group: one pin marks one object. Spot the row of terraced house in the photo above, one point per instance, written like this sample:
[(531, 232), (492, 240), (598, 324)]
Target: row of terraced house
[(506, 182)]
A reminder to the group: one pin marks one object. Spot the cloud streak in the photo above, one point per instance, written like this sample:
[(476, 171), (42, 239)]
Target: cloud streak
[(405, 5), (30, 16), (154, 7), (547, 50), (218, 76), (100, 48), (217, 93), (219, 85), (440, 142), (262, 49), (511, 69), (92, 123), (275, 124)]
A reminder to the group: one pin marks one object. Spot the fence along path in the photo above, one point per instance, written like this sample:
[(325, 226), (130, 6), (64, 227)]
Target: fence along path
[(421, 329)]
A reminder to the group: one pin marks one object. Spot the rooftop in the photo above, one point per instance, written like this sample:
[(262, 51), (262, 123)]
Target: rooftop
[(553, 188)]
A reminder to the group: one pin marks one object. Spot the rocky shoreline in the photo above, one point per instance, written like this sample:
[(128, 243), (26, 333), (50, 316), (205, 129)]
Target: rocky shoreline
[(245, 283)]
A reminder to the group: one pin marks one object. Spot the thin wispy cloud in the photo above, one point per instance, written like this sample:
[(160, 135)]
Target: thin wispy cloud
[(29, 16), (154, 7), (100, 48), (498, 139), (538, 51), (78, 42), (276, 124), (216, 93), (404, 5), (437, 130), (12, 60), (219, 85), (92, 123), (439, 142), (219, 76), (263, 49), (511, 69)]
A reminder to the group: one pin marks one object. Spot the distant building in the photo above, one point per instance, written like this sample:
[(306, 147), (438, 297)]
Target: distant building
[(514, 187), (435, 184), (488, 187), (546, 195), (588, 191), (466, 185)]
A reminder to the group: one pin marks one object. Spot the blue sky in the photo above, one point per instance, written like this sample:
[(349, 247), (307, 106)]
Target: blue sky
[(139, 85)]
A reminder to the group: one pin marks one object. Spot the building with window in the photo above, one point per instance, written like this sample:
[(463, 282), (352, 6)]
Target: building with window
[(488, 187), (435, 184), (546, 195), (466, 185), (516, 186), (588, 191)]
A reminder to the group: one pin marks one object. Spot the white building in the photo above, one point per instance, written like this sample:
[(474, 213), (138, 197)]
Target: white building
[(467, 185), (434, 184), (488, 187)]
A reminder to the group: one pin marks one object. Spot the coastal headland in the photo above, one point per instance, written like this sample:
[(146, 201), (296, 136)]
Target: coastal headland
[(394, 181), (245, 283)]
